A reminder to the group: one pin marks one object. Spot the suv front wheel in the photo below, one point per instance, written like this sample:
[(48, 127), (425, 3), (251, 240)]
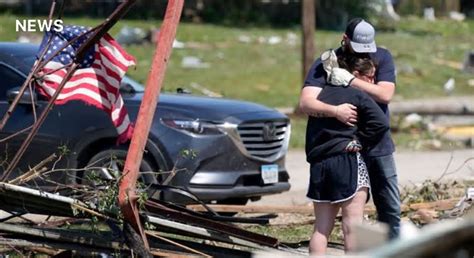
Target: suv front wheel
[(108, 164)]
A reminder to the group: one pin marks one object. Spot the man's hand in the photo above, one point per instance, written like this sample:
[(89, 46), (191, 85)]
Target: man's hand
[(346, 113), (329, 60), (341, 77)]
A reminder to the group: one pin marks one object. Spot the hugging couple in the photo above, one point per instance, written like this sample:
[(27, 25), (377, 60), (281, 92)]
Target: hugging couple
[(348, 142)]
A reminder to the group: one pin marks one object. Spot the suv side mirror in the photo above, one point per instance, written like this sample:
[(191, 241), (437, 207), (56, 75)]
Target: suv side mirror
[(25, 98)]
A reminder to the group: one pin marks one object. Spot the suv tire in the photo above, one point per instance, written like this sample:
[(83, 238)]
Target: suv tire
[(114, 158)]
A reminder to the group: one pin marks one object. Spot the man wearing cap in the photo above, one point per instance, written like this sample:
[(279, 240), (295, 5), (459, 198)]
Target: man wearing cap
[(358, 39)]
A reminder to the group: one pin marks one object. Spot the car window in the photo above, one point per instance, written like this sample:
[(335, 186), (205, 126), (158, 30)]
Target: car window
[(128, 84), (10, 79)]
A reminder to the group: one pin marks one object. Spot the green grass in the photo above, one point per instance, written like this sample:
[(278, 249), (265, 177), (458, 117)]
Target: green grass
[(294, 233), (270, 74), (285, 233)]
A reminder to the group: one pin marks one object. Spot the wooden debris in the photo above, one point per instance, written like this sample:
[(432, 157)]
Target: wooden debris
[(449, 63), (43, 244), (154, 234), (304, 209), (33, 172), (62, 235), (27, 200), (425, 216), (441, 106), (440, 205), (307, 209)]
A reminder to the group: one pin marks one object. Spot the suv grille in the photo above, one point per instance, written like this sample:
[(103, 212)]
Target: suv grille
[(265, 140)]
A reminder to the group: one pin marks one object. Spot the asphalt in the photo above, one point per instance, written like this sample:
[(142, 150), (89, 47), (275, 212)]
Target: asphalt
[(412, 168)]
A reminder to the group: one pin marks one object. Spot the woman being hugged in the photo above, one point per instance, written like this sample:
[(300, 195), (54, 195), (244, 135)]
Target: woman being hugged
[(338, 175)]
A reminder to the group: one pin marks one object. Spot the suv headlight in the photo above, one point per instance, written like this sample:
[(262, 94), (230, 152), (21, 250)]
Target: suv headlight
[(196, 126)]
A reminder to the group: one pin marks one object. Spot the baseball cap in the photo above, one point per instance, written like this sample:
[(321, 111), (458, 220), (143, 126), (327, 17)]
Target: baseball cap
[(361, 35)]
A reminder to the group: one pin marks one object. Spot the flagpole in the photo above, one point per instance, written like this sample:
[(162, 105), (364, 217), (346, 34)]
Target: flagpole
[(98, 34), (28, 80), (127, 189)]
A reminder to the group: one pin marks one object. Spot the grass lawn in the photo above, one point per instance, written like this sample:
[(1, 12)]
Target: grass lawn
[(270, 73)]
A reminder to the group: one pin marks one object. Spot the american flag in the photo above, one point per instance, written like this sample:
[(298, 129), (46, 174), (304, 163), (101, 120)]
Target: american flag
[(97, 79)]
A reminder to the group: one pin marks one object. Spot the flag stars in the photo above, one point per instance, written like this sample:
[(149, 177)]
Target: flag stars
[(59, 41)]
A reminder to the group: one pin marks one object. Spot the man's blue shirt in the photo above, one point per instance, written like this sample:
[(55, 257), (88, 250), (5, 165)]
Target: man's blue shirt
[(385, 72)]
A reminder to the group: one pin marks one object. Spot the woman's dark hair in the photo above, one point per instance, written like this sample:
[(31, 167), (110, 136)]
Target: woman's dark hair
[(360, 62)]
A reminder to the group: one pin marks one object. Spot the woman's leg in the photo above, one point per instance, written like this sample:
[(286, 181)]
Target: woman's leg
[(352, 214), (325, 214)]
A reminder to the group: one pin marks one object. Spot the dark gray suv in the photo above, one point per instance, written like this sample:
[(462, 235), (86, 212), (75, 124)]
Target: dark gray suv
[(222, 150)]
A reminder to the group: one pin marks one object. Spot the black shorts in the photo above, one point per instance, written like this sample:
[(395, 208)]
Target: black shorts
[(337, 178)]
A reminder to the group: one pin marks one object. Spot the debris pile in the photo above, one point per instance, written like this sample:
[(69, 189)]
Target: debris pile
[(90, 223)]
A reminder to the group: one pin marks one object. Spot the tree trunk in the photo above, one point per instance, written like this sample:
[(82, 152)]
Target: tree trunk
[(308, 15)]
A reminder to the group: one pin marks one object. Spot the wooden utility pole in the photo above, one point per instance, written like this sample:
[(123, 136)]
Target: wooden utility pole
[(450, 6), (127, 190), (308, 25)]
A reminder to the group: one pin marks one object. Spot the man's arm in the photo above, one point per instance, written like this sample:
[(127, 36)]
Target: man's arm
[(384, 90), (311, 106), (381, 92)]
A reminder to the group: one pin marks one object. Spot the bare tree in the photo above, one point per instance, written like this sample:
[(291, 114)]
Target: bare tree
[(308, 24)]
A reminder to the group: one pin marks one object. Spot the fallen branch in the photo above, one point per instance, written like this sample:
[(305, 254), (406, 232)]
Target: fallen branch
[(33, 172)]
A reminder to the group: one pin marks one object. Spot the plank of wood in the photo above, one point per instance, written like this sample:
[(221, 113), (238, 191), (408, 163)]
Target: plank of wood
[(77, 237), (308, 209), (304, 209), (441, 205), (439, 106)]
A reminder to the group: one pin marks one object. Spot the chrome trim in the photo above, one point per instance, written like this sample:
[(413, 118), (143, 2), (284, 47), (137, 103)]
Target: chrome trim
[(270, 149)]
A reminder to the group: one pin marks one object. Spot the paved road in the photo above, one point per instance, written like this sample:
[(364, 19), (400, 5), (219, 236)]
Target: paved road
[(413, 167)]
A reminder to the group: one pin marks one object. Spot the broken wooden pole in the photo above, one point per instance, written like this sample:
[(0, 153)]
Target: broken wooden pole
[(127, 196)]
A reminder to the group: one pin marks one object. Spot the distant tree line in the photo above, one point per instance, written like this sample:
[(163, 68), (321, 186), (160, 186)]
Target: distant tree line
[(329, 13)]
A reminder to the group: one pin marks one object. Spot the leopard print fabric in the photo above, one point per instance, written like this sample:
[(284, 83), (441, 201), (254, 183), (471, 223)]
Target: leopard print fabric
[(363, 178)]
